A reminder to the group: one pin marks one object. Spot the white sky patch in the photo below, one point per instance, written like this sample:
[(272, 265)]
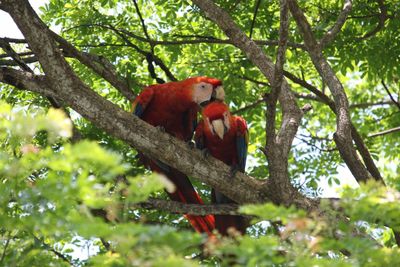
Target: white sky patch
[(8, 28)]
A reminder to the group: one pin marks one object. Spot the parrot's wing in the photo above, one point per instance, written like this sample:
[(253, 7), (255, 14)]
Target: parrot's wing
[(199, 135), (141, 102), (190, 122), (242, 142)]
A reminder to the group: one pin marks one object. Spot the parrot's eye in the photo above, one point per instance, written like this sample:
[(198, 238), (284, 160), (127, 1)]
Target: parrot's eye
[(203, 86)]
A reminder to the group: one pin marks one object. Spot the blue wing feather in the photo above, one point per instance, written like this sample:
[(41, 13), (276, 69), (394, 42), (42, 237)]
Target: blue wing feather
[(241, 146), (142, 101), (138, 110), (242, 141)]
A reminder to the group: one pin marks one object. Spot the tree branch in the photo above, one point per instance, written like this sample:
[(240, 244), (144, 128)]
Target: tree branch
[(279, 188), (390, 94), (196, 39), (143, 26), (393, 130), (3, 255), (331, 34), (343, 133), (383, 16), (254, 17), (15, 56), (25, 81), (99, 65), (49, 248), (361, 147), (276, 83), (150, 56), (184, 208)]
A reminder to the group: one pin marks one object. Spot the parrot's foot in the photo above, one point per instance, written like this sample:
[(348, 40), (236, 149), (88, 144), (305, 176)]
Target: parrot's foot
[(191, 144), (160, 128), (233, 170), (205, 152)]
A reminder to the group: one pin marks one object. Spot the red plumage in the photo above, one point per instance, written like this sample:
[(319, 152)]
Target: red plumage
[(225, 137), (174, 107)]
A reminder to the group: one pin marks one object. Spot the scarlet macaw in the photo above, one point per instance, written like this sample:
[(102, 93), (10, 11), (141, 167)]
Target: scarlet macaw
[(225, 137), (173, 107)]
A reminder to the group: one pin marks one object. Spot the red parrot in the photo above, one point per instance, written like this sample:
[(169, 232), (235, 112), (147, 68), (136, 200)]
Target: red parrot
[(225, 137), (173, 107)]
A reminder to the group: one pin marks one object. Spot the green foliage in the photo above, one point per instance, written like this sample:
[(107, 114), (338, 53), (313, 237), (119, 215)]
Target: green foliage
[(49, 195)]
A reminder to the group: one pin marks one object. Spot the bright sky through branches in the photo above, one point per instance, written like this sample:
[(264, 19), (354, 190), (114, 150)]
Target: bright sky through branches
[(7, 25)]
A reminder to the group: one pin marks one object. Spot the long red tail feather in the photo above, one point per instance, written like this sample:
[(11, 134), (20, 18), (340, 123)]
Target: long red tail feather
[(184, 193), (187, 194)]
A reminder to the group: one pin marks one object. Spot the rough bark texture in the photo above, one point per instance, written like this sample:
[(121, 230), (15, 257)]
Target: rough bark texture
[(25, 80), (193, 209)]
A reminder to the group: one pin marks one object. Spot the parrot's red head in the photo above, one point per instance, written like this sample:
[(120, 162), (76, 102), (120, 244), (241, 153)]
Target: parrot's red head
[(205, 89), (217, 118)]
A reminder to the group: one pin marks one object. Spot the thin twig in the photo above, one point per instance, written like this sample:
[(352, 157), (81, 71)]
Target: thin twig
[(371, 104), (250, 106), (51, 249), (13, 40), (198, 39), (29, 53), (15, 56), (315, 146), (254, 18), (143, 26), (390, 94), (331, 34), (276, 83), (393, 130), (99, 65), (383, 16), (3, 255)]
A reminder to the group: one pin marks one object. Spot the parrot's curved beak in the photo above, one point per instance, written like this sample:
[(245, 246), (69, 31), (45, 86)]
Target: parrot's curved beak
[(218, 94), (219, 128)]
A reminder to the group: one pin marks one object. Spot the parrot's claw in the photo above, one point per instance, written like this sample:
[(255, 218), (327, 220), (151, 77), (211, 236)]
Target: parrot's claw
[(191, 144), (205, 152), (160, 128), (233, 170)]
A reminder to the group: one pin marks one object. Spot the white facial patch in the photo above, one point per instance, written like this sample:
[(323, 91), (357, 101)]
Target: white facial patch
[(202, 92)]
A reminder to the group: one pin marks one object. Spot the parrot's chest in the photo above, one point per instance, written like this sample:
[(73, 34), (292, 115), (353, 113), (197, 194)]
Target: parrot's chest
[(222, 149)]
